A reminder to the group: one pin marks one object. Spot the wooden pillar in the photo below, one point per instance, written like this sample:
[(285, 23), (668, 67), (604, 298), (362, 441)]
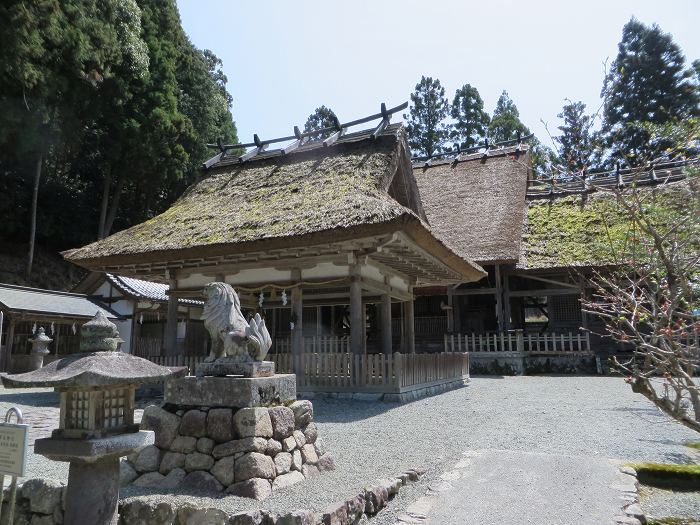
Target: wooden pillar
[(499, 298), (357, 317), (9, 346), (319, 325), (386, 324), (450, 309), (171, 323), (506, 301), (456, 312), (583, 297), (297, 336), (409, 328)]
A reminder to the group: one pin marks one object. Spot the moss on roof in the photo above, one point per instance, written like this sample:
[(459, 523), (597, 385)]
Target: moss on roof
[(279, 197), (593, 231)]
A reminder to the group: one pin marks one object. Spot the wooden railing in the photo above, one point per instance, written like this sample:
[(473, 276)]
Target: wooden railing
[(392, 373), (147, 346), (519, 342), (430, 326), (345, 372), (315, 344)]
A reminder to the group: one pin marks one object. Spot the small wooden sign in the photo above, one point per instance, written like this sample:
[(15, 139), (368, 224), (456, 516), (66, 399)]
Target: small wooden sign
[(13, 448)]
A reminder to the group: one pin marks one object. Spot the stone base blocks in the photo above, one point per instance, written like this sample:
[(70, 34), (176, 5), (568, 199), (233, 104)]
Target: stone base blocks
[(248, 451)]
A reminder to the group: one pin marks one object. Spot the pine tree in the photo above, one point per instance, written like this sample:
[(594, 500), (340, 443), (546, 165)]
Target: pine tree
[(577, 147), (648, 82), (322, 117), (471, 121), (505, 123), (427, 131)]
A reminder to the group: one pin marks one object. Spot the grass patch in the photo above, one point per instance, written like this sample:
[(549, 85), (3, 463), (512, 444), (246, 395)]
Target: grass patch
[(668, 475), (673, 521), (693, 444)]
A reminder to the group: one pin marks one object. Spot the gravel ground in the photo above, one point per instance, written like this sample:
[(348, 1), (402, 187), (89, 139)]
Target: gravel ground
[(587, 416), (659, 503)]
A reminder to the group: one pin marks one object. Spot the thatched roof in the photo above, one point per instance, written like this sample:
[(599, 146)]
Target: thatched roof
[(477, 203), (591, 230), (357, 186)]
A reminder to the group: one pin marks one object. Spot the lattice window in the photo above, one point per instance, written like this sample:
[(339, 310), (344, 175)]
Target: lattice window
[(565, 308), (114, 404), (78, 410)]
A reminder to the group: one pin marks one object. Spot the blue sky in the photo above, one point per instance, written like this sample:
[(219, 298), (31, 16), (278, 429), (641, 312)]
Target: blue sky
[(283, 59)]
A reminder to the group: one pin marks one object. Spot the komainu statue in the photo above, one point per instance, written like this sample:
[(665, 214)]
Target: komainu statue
[(232, 337)]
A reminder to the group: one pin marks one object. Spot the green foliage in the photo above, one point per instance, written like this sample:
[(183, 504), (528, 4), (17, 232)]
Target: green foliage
[(471, 121), (647, 82), (322, 117), (427, 131), (670, 475), (577, 147), (122, 104), (505, 123)]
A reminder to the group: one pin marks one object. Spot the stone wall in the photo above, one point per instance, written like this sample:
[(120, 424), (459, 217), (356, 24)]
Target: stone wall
[(246, 452)]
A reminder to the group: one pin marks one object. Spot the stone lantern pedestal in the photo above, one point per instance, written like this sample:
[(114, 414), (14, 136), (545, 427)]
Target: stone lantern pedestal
[(96, 424), (40, 349)]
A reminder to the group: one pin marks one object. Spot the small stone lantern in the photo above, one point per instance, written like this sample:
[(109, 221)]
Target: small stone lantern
[(96, 425), (40, 348)]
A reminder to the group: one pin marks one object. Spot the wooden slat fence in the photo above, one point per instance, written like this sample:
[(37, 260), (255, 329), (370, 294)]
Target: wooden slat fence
[(548, 343), (345, 372), (316, 344), (391, 373)]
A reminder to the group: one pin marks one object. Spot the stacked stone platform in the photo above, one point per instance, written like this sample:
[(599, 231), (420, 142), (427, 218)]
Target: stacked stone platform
[(246, 452)]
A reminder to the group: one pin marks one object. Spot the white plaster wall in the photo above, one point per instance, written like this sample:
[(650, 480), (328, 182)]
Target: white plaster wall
[(325, 270)]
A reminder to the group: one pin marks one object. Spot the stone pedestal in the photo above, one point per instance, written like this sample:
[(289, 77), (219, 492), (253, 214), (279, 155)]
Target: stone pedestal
[(236, 392), (92, 494), (223, 367), (36, 360), (245, 436)]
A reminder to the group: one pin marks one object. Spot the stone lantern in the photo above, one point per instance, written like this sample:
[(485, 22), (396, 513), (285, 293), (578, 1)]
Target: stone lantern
[(96, 424), (40, 348)]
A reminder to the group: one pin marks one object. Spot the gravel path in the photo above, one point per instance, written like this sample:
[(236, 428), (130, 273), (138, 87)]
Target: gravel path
[(659, 503), (577, 416)]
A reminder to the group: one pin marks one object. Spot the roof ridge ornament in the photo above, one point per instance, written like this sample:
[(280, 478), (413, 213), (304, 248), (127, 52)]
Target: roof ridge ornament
[(336, 131)]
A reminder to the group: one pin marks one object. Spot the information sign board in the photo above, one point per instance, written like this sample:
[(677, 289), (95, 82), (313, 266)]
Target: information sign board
[(13, 448)]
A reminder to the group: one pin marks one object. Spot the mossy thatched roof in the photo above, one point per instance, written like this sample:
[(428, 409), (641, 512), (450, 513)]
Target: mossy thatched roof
[(592, 231), (346, 190)]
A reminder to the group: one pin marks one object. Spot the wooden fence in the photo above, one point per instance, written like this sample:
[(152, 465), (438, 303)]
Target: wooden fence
[(322, 344), (519, 342), (345, 372)]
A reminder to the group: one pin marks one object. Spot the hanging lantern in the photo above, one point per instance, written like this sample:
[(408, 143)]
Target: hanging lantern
[(73, 328), (284, 300), (34, 328), (141, 318), (158, 316), (52, 329), (261, 299)]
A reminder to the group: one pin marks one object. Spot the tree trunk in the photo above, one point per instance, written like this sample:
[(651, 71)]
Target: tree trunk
[(35, 198), (105, 202), (115, 205)]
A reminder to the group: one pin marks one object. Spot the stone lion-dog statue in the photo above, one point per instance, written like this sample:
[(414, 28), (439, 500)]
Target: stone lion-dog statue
[(231, 335)]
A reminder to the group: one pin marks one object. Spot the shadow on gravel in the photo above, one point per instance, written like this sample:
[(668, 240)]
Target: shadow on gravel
[(33, 399)]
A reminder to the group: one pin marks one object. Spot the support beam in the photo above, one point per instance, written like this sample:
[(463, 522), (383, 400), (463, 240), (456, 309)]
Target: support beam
[(386, 324), (171, 323), (357, 317), (297, 315), (506, 301), (409, 328), (499, 299), (450, 310)]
